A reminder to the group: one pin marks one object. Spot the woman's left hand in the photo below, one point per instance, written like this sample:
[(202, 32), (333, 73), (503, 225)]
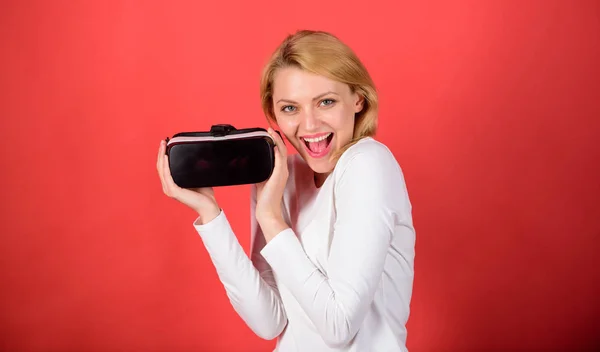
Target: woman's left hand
[(269, 194)]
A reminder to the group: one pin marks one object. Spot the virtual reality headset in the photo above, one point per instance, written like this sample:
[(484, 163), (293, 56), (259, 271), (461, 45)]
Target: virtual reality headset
[(223, 156)]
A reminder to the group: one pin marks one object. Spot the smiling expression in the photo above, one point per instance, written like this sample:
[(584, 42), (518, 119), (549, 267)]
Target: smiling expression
[(315, 113)]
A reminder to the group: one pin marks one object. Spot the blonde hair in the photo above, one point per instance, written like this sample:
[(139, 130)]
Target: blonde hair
[(324, 54)]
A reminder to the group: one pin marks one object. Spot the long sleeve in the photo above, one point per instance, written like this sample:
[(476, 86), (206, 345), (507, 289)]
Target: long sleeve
[(248, 282), (372, 206)]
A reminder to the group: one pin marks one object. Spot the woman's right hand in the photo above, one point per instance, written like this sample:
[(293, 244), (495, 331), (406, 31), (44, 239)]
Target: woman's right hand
[(201, 200)]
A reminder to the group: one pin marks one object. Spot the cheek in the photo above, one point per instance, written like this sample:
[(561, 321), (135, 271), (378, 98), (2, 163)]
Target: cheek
[(288, 127), (342, 120)]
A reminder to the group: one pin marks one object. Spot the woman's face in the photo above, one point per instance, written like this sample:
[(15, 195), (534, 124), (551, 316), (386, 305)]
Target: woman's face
[(316, 114)]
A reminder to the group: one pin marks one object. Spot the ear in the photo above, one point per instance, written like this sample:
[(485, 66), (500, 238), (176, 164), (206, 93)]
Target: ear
[(358, 102)]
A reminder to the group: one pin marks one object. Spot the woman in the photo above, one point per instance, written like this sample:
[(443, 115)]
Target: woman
[(331, 265)]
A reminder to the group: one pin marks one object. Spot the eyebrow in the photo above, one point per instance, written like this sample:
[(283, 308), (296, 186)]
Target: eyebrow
[(315, 98)]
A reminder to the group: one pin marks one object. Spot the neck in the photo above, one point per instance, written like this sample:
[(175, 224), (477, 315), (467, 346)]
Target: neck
[(320, 179)]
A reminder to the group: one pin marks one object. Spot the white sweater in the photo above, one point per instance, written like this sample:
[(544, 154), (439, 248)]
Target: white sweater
[(340, 279)]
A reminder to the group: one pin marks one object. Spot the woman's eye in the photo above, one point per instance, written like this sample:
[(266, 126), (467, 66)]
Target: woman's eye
[(287, 108), (327, 101)]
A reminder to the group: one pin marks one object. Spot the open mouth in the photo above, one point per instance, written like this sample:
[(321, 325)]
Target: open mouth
[(318, 146)]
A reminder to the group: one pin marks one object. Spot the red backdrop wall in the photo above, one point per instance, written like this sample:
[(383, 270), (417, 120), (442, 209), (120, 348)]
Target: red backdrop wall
[(491, 107)]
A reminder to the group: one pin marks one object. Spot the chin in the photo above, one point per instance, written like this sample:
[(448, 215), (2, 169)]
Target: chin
[(320, 166)]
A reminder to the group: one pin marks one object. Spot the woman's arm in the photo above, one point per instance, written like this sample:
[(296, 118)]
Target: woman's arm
[(372, 205), (249, 283)]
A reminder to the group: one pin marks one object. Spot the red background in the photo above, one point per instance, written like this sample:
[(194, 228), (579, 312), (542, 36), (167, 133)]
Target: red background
[(491, 107)]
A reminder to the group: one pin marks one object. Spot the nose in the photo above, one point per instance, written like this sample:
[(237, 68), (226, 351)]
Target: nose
[(310, 120)]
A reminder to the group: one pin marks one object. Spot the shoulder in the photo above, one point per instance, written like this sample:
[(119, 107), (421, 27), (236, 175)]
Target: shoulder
[(369, 173), (368, 158)]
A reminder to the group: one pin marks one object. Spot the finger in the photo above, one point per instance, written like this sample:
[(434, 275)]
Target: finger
[(170, 184), (276, 137), (161, 152), (278, 142), (160, 165), (280, 165), (183, 195), (259, 187), (280, 151), (166, 177)]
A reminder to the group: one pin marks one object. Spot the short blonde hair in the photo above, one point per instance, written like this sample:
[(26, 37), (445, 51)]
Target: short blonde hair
[(324, 54)]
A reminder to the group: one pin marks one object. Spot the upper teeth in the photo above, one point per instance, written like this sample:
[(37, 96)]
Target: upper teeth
[(318, 139)]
